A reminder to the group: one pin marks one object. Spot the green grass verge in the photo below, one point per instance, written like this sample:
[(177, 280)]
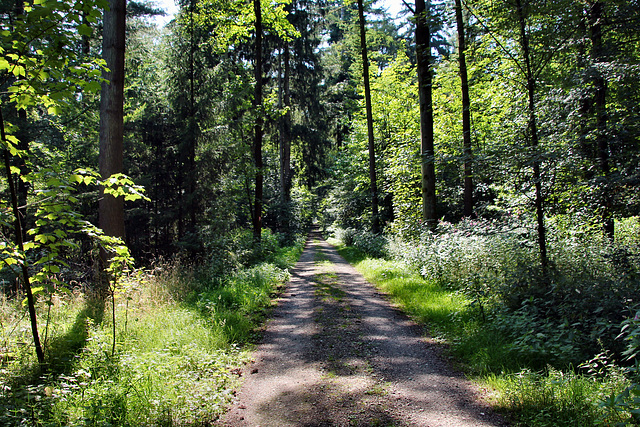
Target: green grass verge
[(181, 342), (546, 398)]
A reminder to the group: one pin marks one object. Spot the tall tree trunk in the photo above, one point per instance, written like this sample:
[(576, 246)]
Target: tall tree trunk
[(375, 223), (19, 233), (425, 78), (600, 98), (22, 134), (111, 209), (192, 137), (285, 127), (466, 115), (535, 142), (257, 139)]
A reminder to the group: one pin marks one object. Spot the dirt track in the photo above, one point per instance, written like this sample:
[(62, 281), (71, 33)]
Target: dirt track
[(337, 354)]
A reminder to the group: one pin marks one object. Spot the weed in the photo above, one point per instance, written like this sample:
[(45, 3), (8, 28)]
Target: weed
[(178, 350), (554, 398)]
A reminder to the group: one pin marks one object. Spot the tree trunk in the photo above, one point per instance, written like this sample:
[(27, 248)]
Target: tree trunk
[(425, 77), (533, 129), (257, 140), (375, 220), (600, 98), (191, 169), (111, 209), (285, 128), (22, 133), (466, 115)]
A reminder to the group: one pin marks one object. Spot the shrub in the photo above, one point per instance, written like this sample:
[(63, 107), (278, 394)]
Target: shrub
[(369, 243), (563, 317)]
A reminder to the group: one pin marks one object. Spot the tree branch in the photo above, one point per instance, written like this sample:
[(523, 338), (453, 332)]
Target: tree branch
[(409, 7)]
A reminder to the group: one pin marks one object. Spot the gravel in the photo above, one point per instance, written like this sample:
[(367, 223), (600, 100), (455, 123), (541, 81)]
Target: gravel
[(338, 354)]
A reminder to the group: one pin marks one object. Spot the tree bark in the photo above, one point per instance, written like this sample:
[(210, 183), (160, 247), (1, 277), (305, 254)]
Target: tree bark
[(375, 220), (466, 115), (257, 140), (111, 209), (535, 142), (425, 78), (191, 151), (600, 98), (285, 128), (22, 134)]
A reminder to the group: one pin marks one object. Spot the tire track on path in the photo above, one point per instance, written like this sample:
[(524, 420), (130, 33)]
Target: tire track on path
[(337, 354)]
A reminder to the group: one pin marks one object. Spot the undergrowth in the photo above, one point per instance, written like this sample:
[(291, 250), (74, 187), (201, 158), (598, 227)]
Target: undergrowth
[(558, 349), (181, 340)]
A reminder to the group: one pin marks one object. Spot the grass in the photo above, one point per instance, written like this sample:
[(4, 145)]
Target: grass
[(555, 398), (181, 342), (549, 397)]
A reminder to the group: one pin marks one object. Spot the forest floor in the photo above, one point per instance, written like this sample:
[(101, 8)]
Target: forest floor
[(338, 354)]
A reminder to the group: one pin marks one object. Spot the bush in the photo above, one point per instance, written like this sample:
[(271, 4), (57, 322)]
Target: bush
[(236, 249), (470, 254), (369, 243), (563, 317), (291, 219), (177, 359)]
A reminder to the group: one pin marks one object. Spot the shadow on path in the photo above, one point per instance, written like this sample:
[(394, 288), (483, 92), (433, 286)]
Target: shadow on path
[(337, 354)]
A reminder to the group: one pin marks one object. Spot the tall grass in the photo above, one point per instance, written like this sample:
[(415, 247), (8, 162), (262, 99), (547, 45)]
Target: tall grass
[(181, 341)]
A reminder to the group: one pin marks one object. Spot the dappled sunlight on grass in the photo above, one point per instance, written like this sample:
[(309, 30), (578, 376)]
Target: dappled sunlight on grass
[(531, 392), (181, 340), (421, 298)]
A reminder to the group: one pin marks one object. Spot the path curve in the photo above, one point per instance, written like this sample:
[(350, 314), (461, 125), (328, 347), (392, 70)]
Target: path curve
[(337, 354)]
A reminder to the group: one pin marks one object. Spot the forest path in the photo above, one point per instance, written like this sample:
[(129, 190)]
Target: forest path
[(337, 354)]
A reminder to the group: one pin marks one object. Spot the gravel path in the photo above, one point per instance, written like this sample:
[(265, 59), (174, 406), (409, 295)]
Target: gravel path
[(337, 354)]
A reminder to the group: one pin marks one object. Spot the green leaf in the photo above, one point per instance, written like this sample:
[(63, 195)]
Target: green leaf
[(18, 71), (84, 30), (92, 86), (54, 110)]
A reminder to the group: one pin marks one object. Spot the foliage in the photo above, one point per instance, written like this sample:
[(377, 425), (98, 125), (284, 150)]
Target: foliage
[(365, 241), (178, 349), (557, 319), (39, 60), (555, 397), (600, 396), (57, 223), (625, 406)]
